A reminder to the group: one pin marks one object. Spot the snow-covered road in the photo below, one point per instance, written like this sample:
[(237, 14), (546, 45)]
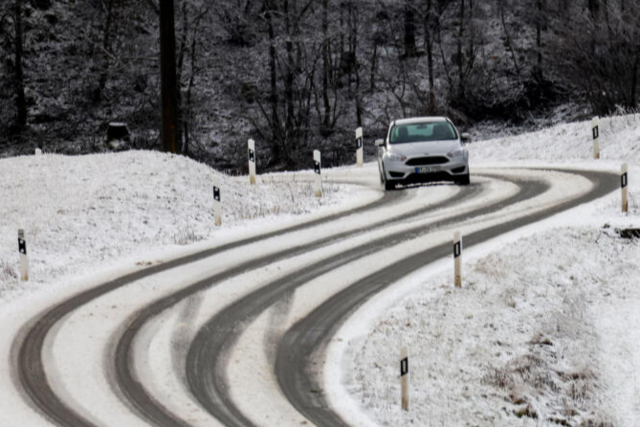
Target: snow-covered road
[(257, 327), (208, 338)]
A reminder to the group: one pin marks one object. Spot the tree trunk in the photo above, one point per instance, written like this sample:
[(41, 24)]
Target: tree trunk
[(106, 52), (428, 44), (273, 81), (21, 101), (538, 73), (354, 49), (325, 65), (182, 51), (289, 73), (508, 37), (460, 59), (634, 82), (168, 77), (410, 50)]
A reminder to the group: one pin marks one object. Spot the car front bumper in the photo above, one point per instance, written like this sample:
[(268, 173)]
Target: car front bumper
[(400, 172)]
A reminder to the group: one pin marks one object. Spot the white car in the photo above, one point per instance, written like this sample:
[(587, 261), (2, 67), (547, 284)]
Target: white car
[(423, 149)]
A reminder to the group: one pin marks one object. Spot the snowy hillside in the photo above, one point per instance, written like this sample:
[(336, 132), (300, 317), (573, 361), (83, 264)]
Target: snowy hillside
[(92, 211), (619, 140)]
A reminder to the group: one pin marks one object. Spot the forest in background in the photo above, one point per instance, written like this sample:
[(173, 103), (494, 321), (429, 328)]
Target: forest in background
[(298, 75)]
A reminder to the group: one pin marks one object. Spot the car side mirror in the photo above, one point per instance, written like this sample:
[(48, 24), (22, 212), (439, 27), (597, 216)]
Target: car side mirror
[(465, 137), (379, 142)]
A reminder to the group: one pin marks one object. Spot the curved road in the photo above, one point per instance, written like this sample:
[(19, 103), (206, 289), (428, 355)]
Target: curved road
[(295, 361), (125, 371), (207, 357)]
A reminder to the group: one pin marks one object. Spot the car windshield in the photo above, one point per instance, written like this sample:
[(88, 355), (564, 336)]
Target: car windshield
[(422, 132)]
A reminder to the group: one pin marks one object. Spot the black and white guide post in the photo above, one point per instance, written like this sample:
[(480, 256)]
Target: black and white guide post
[(24, 260), (457, 259), (404, 378), (252, 162), (217, 203), (624, 183), (595, 129), (317, 168), (359, 147)]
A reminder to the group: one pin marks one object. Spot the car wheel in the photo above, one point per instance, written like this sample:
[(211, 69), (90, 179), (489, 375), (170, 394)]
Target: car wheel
[(389, 185), (464, 180)]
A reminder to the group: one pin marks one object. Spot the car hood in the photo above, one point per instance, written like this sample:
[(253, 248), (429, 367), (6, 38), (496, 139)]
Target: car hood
[(431, 148)]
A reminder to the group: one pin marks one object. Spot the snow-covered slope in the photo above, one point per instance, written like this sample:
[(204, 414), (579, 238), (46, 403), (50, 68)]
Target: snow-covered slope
[(82, 213), (619, 140)]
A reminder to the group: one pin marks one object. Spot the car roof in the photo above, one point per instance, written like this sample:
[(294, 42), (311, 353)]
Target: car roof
[(420, 120)]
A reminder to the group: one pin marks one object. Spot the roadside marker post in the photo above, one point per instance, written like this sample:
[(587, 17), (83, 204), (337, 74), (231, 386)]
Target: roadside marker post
[(595, 129), (624, 181), (38, 152), (404, 378), (24, 260), (217, 204), (359, 147), (457, 259), (317, 168), (252, 162)]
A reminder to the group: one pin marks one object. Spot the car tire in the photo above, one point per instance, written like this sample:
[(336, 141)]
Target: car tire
[(389, 185), (464, 180)]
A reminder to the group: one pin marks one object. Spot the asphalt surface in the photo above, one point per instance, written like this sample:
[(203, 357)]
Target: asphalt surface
[(300, 349)]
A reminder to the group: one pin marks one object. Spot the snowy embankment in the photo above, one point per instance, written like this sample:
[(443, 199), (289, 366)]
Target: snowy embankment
[(544, 330), (87, 213)]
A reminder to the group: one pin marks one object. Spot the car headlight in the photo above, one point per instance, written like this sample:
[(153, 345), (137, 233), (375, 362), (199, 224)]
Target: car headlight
[(460, 152), (395, 157)]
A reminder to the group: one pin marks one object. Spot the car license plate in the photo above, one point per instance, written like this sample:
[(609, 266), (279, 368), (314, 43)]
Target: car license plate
[(426, 170)]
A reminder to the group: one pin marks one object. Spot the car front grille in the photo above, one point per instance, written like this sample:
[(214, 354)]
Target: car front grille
[(426, 161)]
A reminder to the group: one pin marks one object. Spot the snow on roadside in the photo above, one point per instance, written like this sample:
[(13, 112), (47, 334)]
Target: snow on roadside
[(619, 136), (518, 345), (92, 210)]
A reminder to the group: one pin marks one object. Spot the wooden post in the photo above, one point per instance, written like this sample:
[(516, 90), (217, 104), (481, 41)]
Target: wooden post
[(317, 168), (457, 259), (24, 260), (595, 128), (217, 203), (624, 181), (404, 378), (252, 162), (359, 147), (168, 77)]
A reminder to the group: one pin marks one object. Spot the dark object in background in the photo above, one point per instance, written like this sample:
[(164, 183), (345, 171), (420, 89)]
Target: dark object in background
[(118, 137)]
